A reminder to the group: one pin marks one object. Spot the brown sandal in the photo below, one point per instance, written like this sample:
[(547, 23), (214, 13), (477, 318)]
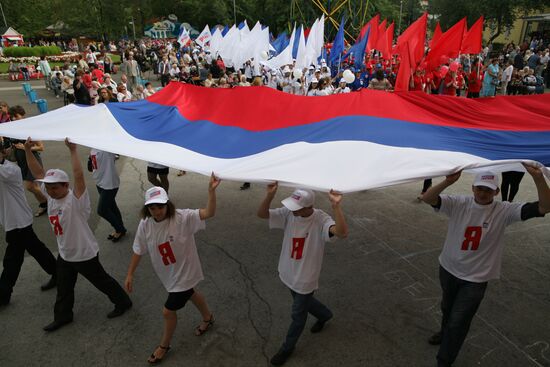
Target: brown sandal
[(209, 323), (154, 359)]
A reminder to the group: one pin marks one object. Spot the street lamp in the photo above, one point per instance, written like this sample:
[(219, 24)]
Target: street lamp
[(133, 27), (400, 14)]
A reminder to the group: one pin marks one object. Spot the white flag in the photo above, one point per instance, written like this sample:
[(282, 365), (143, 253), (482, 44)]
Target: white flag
[(204, 38), (184, 37)]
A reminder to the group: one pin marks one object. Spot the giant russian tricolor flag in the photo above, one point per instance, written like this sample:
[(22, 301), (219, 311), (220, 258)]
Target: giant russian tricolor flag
[(346, 142)]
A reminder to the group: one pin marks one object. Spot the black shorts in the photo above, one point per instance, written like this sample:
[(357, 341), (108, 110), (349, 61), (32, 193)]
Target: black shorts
[(158, 171), (177, 300)]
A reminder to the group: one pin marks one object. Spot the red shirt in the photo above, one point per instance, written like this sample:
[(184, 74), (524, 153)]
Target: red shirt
[(474, 82), (87, 80), (449, 90), (98, 74), (417, 80)]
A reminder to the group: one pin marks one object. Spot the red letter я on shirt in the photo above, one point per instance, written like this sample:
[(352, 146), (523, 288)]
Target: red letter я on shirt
[(166, 253), (297, 248), (57, 229)]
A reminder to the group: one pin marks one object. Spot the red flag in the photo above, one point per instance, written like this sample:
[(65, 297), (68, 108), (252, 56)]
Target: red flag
[(448, 45), (373, 34), (403, 80), (389, 39), (382, 43), (415, 35), (471, 44), (437, 35)]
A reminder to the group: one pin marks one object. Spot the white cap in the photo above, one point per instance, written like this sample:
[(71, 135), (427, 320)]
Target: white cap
[(487, 179), (300, 198), (156, 195), (314, 80), (54, 176)]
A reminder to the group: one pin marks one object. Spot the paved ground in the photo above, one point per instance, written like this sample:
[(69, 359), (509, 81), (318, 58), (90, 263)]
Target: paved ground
[(381, 283)]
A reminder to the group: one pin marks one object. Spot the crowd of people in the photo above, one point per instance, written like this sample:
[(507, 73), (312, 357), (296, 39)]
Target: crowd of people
[(166, 233)]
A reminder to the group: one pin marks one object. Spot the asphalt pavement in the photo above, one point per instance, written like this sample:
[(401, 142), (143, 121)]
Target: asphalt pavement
[(381, 283)]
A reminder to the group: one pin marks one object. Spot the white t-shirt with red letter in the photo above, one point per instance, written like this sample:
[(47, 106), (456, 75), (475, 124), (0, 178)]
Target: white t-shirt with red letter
[(303, 247), (15, 211), (104, 169), (171, 244), (473, 247), (69, 220)]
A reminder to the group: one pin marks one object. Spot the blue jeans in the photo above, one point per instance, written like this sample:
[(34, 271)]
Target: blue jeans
[(108, 210), (459, 305), (301, 306)]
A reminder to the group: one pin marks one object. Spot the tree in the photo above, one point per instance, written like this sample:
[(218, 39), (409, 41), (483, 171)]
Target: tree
[(502, 13)]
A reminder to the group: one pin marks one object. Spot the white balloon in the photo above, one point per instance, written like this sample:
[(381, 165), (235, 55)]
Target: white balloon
[(264, 55), (297, 73), (347, 72), (349, 77)]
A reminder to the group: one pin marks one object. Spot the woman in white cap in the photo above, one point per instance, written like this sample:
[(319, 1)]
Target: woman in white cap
[(167, 234), (342, 87)]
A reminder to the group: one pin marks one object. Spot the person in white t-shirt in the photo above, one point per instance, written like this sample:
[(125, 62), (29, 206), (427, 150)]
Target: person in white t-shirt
[(68, 212), (305, 232), (102, 166), (16, 218), (472, 253), (167, 234)]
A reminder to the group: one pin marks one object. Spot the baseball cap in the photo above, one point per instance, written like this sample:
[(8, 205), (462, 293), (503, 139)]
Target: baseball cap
[(156, 195), (314, 80), (487, 179), (300, 198), (54, 175)]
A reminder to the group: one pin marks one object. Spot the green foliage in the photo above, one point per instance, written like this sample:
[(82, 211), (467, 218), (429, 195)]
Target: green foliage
[(111, 19), (32, 51), (501, 13)]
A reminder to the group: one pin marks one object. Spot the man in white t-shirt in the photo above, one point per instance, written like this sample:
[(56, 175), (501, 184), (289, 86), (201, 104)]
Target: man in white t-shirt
[(102, 166), (16, 218), (472, 253), (68, 212), (305, 232)]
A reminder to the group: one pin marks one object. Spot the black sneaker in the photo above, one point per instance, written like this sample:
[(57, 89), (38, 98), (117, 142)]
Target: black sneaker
[(119, 311), (52, 283), (56, 325), (319, 325), (435, 339), (245, 186), (280, 358)]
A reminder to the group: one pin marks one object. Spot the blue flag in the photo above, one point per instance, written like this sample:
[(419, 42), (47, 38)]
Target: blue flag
[(338, 44), (358, 50), (280, 43)]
